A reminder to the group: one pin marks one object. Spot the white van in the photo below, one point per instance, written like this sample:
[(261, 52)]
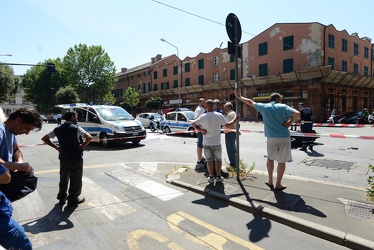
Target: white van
[(107, 123)]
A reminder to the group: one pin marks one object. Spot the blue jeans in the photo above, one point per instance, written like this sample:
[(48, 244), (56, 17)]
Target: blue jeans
[(230, 140), (12, 235)]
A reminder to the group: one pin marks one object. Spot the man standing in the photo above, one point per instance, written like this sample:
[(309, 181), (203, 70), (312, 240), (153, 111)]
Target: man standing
[(277, 133), (209, 124), (70, 149), (230, 134), (21, 121), (306, 126), (198, 112)]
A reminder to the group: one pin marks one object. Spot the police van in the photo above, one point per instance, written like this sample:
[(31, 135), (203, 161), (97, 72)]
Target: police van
[(107, 124), (180, 120)]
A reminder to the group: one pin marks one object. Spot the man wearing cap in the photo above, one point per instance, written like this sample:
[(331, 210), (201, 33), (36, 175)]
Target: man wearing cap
[(306, 126)]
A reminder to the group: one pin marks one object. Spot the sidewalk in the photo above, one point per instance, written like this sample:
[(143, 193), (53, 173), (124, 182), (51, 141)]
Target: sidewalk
[(336, 213)]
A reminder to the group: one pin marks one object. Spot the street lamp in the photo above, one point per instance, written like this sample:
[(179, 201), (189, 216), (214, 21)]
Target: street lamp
[(6, 55), (179, 73)]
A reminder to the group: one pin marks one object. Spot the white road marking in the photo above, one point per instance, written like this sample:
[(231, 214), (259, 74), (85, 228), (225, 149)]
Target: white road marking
[(156, 189)]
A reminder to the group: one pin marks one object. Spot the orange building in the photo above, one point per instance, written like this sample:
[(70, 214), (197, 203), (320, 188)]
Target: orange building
[(310, 62)]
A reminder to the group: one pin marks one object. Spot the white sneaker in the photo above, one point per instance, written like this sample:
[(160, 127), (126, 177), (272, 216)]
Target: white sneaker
[(219, 178), (210, 179)]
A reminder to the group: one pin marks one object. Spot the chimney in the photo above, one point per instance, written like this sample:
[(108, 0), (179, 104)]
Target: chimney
[(158, 57), (123, 70), (153, 60)]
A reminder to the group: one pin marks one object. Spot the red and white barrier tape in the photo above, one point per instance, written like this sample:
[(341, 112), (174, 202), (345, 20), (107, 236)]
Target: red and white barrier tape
[(324, 124)]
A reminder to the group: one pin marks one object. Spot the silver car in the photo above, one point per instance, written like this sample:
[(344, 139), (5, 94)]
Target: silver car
[(144, 118)]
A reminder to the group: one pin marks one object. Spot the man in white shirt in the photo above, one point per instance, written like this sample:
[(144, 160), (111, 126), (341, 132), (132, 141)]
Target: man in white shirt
[(230, 134), (209, 124)]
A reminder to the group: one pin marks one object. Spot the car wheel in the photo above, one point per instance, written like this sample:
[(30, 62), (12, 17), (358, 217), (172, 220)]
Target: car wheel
[(192, 134), (167, 130), (104, 140), (136, 142)]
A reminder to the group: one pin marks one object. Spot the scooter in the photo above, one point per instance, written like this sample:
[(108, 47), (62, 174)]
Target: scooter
[(156, 124)]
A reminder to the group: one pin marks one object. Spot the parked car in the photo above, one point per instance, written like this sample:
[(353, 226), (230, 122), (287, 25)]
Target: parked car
[(52, 119), (144, 118), (44, 118), (179, 121), (350, 117)]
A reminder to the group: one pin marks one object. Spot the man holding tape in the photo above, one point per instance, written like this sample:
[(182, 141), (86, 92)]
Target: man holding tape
[(275, 115)]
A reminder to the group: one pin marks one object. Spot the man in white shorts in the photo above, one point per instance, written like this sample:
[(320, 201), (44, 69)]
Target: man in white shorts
[(276, 130)]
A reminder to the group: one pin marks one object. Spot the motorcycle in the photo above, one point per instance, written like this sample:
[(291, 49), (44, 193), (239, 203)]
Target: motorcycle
[(156, 124)]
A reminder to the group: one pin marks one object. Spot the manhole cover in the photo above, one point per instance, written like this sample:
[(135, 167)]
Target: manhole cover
[(361, 210), (333, 164), (283, 199)]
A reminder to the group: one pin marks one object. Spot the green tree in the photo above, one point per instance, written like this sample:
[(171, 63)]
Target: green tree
[(154, 102), (109, 98), (41, 85), (66, 95), (8, 83), (90, 71), (131, 98)]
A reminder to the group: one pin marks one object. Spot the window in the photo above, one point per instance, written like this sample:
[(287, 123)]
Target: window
[(187, 82), (262, 49), (232, 58), (187, 67), (165, 72), (175, 84), (165, 85), (232, 74), (131, 77), (155, 75), (215, 60), (355, 68), (171, 116), (139, 75), (139, 87), (120, 92), (366, 52), (287, 65), (263, 69), (344, 66), (181, 117), (201, 64), (366, 71), (215, 77), (155, 87), (331, 41), (288, 43), (175, 70), (201, 79), (355, 49), (344, 45), (330, 61)]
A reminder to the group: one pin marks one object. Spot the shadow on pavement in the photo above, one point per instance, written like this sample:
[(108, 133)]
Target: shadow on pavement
[(56, 219)]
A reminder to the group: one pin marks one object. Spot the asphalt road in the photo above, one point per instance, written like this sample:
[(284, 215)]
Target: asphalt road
[(130, 206)]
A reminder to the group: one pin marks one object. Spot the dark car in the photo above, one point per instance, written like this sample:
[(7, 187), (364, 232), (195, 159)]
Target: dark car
[(350, 117), (52, 119)]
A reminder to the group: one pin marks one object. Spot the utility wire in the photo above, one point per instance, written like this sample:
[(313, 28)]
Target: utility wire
[(207, 19)]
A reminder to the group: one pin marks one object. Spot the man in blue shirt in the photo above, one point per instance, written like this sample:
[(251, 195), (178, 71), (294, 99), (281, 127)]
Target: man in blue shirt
[(276, 126), (21, 121)]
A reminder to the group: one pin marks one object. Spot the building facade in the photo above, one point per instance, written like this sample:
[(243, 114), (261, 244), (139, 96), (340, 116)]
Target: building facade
[(309, 62)]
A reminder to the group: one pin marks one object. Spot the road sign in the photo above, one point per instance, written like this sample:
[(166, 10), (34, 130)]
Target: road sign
[(233, 28)]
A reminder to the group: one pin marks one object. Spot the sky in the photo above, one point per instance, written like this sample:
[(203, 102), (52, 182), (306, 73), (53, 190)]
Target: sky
[(130, 31)]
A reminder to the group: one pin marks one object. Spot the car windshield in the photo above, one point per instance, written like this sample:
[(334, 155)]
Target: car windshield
[(114, 114), (190, 114)]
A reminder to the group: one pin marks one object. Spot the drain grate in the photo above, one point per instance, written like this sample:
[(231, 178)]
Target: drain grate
[(283, 199), (357, 209), (333, 164)]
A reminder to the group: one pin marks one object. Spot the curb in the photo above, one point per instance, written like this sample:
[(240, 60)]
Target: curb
[(327, 233)]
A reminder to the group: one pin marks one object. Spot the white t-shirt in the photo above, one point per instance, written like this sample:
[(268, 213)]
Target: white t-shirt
[(199, 111), (212, 122), (231, 116)]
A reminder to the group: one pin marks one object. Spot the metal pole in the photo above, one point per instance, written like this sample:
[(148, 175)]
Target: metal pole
[(236, 99), (179, 71)]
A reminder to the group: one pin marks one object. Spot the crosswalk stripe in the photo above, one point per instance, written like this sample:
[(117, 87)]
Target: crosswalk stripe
[(156, 189)]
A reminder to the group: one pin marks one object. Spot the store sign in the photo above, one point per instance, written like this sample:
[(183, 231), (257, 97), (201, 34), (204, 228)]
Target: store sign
[(175, 101)]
